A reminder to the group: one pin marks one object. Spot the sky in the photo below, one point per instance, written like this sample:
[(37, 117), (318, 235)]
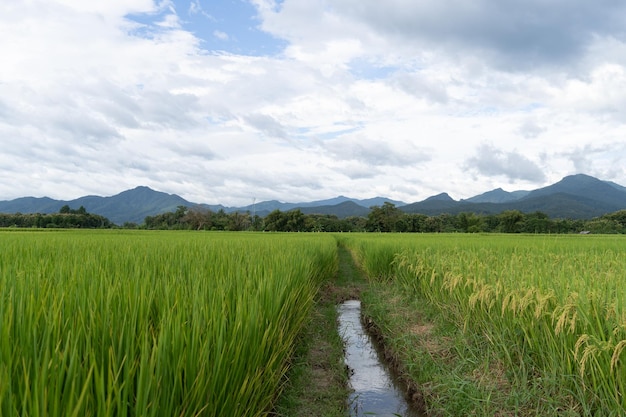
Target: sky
[(234, 101)]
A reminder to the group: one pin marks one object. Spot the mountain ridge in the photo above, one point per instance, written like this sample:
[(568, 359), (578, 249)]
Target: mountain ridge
[(576, 196)]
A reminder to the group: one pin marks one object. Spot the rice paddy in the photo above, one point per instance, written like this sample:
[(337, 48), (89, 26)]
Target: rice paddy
[(177, 324), (552, 307), (125, 323)]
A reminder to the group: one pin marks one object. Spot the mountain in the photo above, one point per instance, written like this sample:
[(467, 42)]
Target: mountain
[(128, 206), (30, 205), (341, 210), (436, 204), (576, 196), (619, 187), (134, 205), (265, 207), (497, 196), (584, 186), (140, 202)]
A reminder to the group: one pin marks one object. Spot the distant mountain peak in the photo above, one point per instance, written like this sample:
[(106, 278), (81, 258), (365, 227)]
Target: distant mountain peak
[(578, 184), (440, 197), (497, 195)]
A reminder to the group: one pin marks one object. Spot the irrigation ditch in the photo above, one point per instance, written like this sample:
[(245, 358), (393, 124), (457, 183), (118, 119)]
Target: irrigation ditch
[(342, 366), (377, 387)]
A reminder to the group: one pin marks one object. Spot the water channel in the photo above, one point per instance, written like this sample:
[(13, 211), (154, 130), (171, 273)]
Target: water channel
[(374, 391)]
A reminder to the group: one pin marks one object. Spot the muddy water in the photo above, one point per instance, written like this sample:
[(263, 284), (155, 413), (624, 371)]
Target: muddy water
[(374, 391)]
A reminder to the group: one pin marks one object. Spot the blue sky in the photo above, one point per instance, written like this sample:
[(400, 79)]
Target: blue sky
[(224, 101), (230, 26)]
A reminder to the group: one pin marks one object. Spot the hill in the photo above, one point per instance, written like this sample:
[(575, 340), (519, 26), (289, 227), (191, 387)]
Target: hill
[(497, 196), (341, 210), (134, 205), (576, 196), (128, 206)]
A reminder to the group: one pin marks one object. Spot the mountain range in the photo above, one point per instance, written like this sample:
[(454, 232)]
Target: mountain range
[(576, 197)]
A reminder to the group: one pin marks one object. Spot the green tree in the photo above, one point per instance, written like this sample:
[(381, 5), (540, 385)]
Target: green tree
[(469, 222), (295, 221), (275, 221), (238, 221), (537, 222), (384, 218), (511, 221)]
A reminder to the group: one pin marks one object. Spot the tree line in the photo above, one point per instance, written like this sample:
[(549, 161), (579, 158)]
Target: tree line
[(66, 218), (385, 218)]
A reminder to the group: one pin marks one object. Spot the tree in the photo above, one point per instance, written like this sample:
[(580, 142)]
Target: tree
[(510, 221), (238, 221), (384, 218), (275, 221), (295, 221), (537, 222), (469, 222), (415, 222), (197, 219)]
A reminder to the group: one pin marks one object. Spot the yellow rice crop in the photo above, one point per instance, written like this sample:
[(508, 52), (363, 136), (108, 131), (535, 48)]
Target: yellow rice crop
[(554, 303)]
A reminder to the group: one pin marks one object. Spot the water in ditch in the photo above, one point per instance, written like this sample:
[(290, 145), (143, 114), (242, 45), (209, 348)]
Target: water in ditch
[(374, 391)]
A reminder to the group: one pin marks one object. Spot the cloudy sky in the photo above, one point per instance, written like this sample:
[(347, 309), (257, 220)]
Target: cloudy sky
[(226, 101)]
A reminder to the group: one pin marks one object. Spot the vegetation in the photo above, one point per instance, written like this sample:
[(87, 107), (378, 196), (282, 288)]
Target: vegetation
[(494, 325), (120, 323), (66, 218), (318, 382), (386, 218)]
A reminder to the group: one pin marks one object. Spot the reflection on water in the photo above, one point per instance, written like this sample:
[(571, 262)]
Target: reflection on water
[(374, 392)]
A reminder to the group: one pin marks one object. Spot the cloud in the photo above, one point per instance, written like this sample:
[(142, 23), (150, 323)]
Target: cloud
[(223, 36), (602, 92), (516, 35), (508, 35), (356, 170), (267, 125), (374, 152), (603, 160), (490, 161), (530, 129), (349, 97), (422, 86)]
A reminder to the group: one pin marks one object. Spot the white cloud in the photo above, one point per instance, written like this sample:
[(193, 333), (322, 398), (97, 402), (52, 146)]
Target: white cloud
[(223, 36), (490, 161), (393, 98)]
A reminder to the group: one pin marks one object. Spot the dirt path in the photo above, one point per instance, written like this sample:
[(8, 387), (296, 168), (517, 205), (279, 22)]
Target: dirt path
[(317, 384)]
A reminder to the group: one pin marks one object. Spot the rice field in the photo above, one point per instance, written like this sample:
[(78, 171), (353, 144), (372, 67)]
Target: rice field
[(128, 323), (553, 307), (112, 323)]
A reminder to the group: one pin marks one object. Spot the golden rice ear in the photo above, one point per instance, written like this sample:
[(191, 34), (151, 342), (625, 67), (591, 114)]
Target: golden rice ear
[(617, 352)]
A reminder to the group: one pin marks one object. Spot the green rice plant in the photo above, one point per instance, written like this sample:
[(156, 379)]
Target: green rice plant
[(112, 323)]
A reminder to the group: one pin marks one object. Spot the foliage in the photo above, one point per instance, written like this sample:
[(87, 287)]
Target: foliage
[(118, 323), (66, 218), (385, 218)]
